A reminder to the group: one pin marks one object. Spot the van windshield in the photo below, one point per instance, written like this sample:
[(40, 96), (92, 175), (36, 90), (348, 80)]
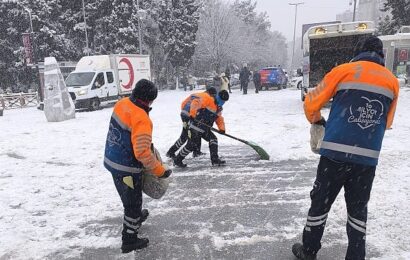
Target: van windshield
[(79, 79)]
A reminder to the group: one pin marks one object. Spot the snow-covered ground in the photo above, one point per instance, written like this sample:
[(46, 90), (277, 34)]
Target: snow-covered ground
[(55, 193)]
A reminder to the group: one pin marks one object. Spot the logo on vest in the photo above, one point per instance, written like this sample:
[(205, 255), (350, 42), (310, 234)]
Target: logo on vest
[(368, 114)]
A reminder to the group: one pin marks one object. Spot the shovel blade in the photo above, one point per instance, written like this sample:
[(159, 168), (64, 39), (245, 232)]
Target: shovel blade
[(259, 150)]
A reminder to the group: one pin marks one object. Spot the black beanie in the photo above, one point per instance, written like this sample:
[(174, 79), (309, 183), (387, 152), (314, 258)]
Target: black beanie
[(145, 90), (369, 44), (211, 91), (224, 95)]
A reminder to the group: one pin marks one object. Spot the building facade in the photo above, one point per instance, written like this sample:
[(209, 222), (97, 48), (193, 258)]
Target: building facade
[(366, 10)]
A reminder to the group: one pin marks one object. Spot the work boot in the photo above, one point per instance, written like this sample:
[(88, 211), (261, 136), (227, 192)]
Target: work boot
[(300, 253), (178, 161), (137, 243), (143, 217), (170, 154), (198, 154), (218, 162)]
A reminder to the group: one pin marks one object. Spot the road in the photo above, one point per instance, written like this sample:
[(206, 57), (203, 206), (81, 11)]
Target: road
[(248, 209)]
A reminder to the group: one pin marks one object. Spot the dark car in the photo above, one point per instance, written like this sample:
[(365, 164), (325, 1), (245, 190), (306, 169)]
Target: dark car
[(273, 77)]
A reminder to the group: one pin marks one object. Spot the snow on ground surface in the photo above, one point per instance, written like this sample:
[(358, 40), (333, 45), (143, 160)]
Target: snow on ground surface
[(58, 202)]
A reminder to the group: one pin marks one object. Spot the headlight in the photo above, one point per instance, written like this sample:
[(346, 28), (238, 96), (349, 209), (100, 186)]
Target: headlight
[(361, 26), (320, 30), (82, 92)]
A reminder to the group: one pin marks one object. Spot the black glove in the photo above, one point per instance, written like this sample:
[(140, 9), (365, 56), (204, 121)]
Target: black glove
[(222, 131), (166, 174), (321, 122)]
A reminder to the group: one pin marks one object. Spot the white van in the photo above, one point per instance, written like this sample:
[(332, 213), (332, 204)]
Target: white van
[(99, 80)]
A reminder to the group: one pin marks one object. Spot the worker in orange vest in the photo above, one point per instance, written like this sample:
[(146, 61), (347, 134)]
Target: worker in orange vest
[(204, 111), (128, 151), (364, 96)]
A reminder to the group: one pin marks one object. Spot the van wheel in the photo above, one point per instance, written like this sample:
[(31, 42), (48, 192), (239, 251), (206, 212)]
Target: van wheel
[(94, 104), (299, 85)]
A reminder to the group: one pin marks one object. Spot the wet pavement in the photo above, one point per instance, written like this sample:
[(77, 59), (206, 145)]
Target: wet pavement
[(248, 209)]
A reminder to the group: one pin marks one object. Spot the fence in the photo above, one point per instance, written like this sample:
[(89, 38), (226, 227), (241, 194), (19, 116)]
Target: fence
[(18, 100)]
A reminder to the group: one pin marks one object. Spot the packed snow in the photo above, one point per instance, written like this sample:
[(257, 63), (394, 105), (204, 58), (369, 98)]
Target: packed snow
[(58, 201)]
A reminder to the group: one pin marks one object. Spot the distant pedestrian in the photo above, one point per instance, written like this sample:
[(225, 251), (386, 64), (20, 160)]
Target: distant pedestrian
[(224, 82), (257, 80), (364, 96), (184, 82), (228, 75), (244, 76)]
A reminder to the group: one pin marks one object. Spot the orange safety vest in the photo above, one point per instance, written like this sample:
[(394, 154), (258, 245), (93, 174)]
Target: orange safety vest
[(364, 102), (205, 111), (128, 145)]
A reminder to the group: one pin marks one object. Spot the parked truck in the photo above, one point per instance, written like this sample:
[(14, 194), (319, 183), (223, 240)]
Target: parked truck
[(327, 46), (101, 79)]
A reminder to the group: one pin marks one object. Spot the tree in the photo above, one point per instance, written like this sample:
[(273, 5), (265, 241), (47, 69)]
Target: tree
[(228, 36), (178, 24), (400, 15), (221, 37), (13, 22), (245, 9), (47, 40)]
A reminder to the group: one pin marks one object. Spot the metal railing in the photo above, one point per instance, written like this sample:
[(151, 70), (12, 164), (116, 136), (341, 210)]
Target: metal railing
[(18, 100)]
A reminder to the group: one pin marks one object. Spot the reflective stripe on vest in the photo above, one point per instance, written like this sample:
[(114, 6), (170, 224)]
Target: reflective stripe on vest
[(118, 120), (366, 87), (211, 110), (350, 149), (120, 167)]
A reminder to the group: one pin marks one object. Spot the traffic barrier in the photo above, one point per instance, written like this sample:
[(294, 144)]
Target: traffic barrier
[(18, 100)]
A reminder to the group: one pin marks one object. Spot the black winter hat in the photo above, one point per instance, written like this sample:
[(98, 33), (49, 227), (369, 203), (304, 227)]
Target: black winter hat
[(145, 90), (371, 43), (224, 95), (211, 91)]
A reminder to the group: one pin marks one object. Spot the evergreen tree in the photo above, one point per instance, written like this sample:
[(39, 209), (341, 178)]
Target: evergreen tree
[(178, 23), (400, 15), (13, 22)]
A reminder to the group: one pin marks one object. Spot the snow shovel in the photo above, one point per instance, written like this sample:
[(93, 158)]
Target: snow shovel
[(259, 150)]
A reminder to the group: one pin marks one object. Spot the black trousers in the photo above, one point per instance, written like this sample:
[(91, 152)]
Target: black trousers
[(257, 87), (183, 138), (129, 187), (244, 87), (194, 137), (357, 181)]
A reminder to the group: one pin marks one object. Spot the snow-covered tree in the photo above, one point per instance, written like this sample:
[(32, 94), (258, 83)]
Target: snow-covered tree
[(400, 15), (13, 22), (48, 38), (178, 23), (229, 36)]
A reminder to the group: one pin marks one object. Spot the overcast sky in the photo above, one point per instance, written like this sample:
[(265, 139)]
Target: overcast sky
[(282, 15)]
